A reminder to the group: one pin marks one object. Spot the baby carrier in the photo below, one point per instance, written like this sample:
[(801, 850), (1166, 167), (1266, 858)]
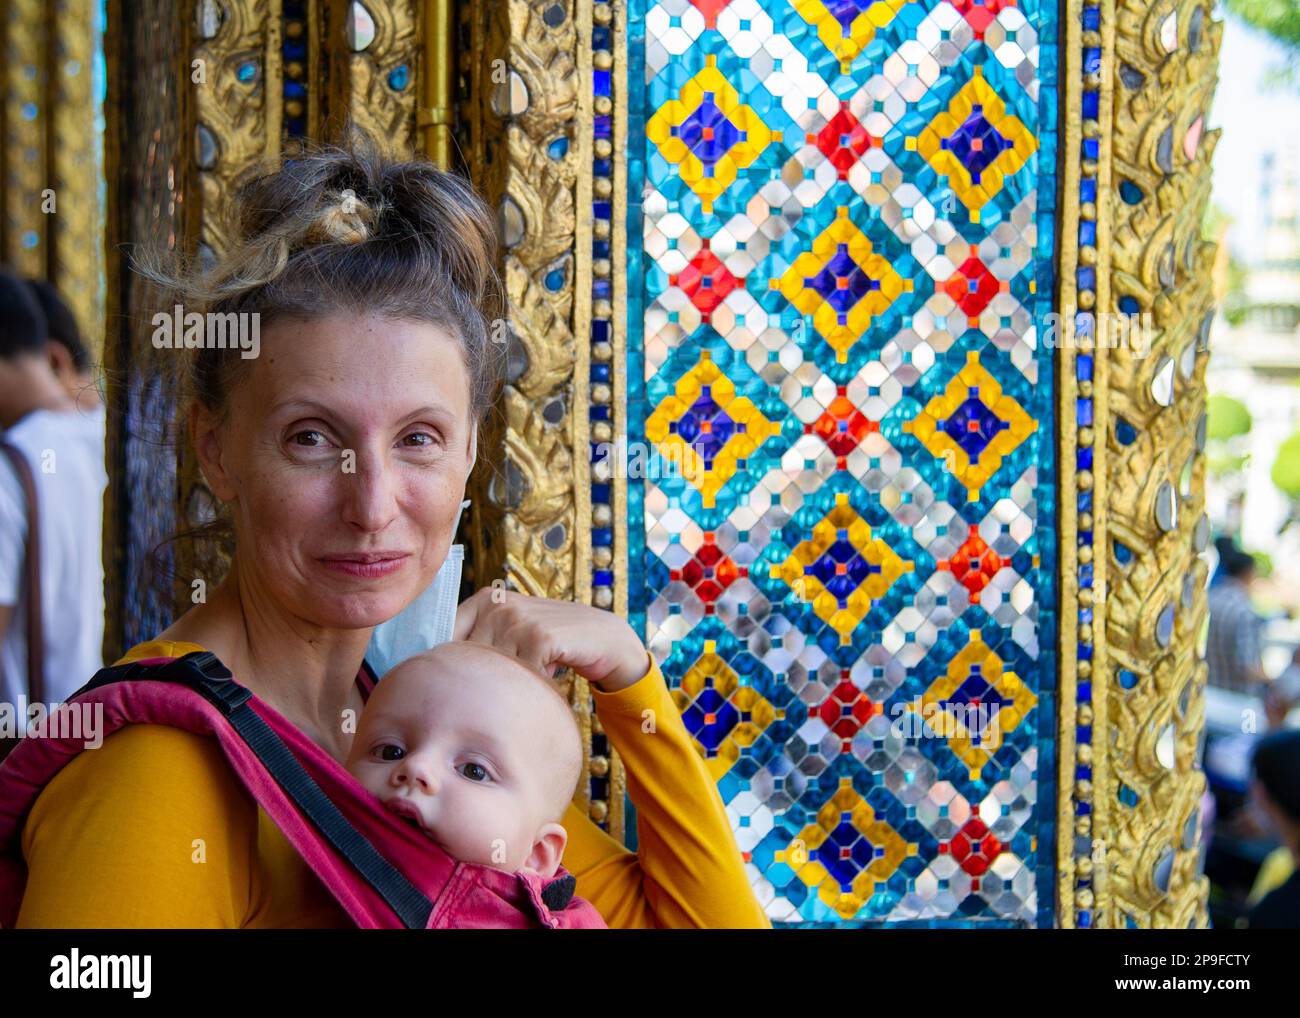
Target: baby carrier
[(382, 870)]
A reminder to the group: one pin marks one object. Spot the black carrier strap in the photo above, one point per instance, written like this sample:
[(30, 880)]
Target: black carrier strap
[(202, 672)]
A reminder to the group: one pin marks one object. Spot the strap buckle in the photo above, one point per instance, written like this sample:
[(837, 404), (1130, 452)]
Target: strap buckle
[(213, 681)]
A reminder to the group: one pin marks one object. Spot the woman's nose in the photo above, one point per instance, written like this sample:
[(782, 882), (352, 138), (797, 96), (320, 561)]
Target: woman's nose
[(370, 482)]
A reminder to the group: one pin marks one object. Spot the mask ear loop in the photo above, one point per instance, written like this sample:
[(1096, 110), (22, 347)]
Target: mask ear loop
[(473, 458)]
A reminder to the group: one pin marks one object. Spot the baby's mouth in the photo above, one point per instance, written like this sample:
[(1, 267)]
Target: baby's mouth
[(407, 810)]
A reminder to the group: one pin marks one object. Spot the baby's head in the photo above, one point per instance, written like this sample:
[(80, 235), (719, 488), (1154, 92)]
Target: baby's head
[(476, 749)]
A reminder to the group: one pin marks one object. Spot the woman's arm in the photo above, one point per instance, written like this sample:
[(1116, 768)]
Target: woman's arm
[(688, 871), (147, 831)]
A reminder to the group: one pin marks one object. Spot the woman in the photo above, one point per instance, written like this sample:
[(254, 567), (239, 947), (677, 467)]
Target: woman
[(341, 454)]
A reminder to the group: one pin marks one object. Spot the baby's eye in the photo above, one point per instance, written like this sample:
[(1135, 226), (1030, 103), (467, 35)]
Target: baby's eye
[(474, 771), (390, 751)]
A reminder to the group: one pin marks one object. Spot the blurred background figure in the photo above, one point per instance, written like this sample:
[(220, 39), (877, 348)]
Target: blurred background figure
[(54, 458), (1275, 899), (1235, 651), (1283, 695), (69, 356)]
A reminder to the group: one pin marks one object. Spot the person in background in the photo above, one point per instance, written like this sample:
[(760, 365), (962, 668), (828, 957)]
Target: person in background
[(1276, 787), (1284, 693), (1234, 649), (64, 452), (68, 355)]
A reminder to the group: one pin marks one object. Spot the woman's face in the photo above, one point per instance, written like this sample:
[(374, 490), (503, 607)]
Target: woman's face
[(343, 459)]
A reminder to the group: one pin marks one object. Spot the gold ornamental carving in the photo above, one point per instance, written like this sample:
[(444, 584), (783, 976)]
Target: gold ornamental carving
[(1128, 843)]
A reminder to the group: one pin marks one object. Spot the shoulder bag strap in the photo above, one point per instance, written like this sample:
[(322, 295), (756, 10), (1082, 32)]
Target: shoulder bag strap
[(35, 629)]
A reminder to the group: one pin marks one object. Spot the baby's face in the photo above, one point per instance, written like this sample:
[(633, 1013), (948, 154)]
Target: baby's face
[(473, 749)]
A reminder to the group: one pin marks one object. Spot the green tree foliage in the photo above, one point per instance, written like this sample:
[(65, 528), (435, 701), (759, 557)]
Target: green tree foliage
[(1228, 418), (1286, 468), (1281, 20)]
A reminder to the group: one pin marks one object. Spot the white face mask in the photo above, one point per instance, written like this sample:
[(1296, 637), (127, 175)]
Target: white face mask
[(427, 621), (431, 618)]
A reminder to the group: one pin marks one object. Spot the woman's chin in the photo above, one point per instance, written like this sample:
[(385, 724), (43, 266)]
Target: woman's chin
[(356, 611)]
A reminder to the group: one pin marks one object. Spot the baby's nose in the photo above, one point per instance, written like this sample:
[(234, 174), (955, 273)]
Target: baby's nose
[(416, 772)]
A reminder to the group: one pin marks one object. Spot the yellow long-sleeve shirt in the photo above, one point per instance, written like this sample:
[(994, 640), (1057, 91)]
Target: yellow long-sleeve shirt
[(154, 830)]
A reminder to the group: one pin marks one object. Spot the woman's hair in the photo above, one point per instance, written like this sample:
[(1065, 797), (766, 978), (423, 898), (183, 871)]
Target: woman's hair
[(345, 229)]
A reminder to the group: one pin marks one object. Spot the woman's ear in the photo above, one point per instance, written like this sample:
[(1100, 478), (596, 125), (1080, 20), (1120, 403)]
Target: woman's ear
[(205, 434)]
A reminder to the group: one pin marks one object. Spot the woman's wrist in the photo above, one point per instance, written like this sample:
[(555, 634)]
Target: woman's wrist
[(631, 668)]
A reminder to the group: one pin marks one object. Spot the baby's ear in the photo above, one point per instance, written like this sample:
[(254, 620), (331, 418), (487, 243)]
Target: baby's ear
[(548, 850)]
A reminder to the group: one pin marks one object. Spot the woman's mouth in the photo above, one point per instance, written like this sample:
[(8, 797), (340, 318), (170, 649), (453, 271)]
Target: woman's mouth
[(366, 565)]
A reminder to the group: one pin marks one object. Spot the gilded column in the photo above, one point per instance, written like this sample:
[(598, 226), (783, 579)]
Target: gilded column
[(1137, 272), (539, 126), (235, 72), (52, 221), (374, 49)]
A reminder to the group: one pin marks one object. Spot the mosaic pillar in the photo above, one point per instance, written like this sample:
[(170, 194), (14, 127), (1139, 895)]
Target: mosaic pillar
[(847, 246)]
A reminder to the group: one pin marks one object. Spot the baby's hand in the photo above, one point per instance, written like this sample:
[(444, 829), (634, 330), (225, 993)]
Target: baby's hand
[(549, 635)]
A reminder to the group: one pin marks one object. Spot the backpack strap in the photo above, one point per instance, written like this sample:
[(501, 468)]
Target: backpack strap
[(206, 675)]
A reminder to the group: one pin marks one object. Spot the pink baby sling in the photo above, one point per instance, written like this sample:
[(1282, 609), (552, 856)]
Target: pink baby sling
[(384, 872)]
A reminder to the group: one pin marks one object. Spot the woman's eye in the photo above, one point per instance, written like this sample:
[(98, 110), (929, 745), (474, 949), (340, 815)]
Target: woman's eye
[(311, 439), (420, 440), (474, 771), (390, 752)]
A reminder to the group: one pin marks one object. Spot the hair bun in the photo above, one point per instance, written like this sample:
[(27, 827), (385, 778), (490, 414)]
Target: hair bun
[(346, 221)]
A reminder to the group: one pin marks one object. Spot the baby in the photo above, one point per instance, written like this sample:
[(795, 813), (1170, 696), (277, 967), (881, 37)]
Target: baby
[(478, 751)]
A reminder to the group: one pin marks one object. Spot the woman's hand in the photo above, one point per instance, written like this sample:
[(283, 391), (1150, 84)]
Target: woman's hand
[(549, 635)]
